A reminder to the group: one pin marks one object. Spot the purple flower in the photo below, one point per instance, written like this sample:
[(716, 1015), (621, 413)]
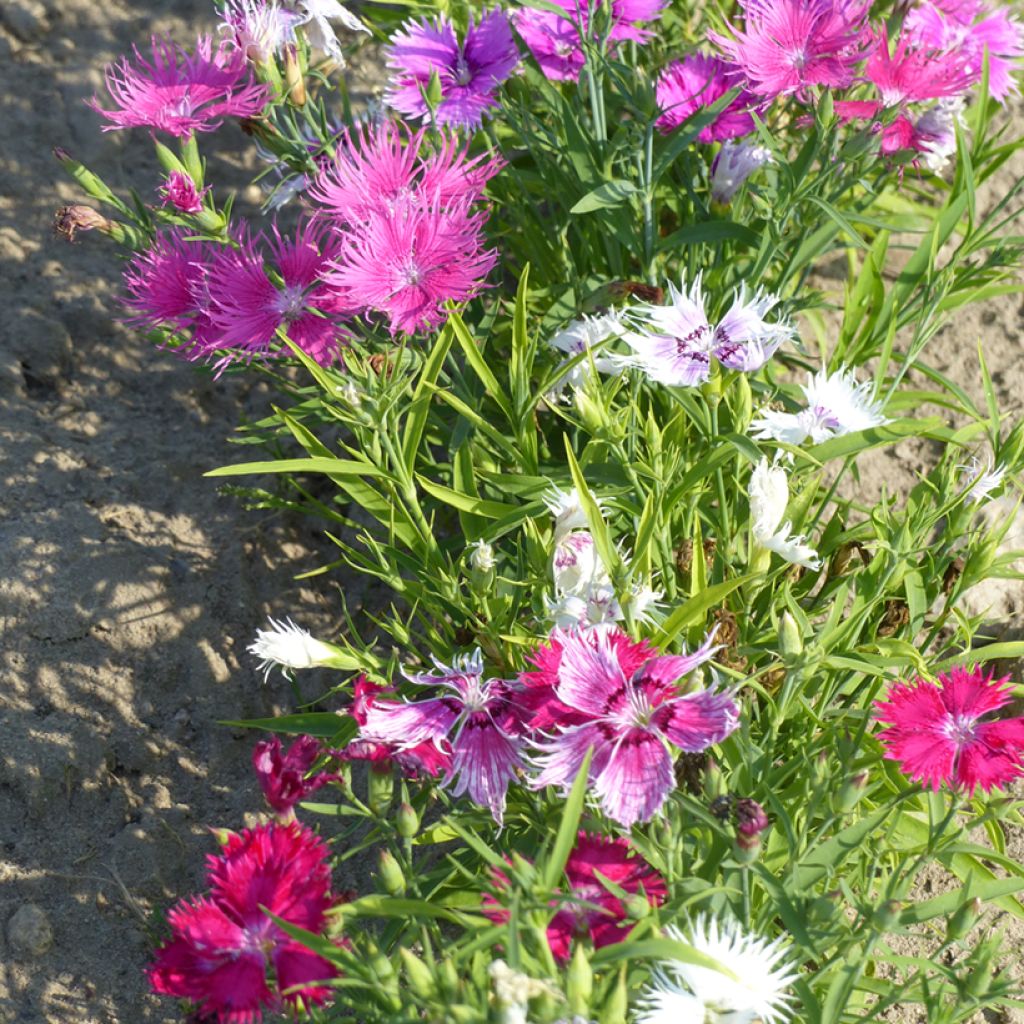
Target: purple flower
[(677, 348), (629, 721), (733, 164), (475, 719), (693, 84), (469, 73), (283, 777), (181, 93), (180, 192)]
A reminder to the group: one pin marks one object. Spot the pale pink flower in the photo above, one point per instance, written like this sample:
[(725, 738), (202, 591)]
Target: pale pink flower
[(259, 28), (469, 72), (315, 17), (407, 265), (181, 93), (180, 192), (693, 84), (937, 734), (475, 719), (383, 169), (629, 721), (248, 308), (786, 46)]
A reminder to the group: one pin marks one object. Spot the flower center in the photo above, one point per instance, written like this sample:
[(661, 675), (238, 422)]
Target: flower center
[(961, 729), (463, 75), (409, 273), (289, 302)]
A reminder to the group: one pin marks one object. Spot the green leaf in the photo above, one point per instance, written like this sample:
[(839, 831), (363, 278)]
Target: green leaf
[(565, 839), (419, 408), (466, 502), (318, 464), (476, 359), (712, 232), (598, 527), (826, 857), (695, 610), (656, 949), (322, 724), (610, 194), (862, 440), (949, 902), (377, 905)]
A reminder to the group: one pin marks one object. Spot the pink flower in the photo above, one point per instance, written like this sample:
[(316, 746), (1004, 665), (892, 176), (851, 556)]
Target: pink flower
[(788, 45), (166, 287), (179, 93), (913, 73), (693, 84), (589, 909), (384, 168), (426, 757), (248, 308), (180, 191), (469, 73), (936, 733), (283, 777), (629, 721), (223, 944), (475, 720), (406, 266)]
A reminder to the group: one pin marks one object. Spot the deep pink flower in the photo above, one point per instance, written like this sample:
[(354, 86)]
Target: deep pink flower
[(181, 93), (936, 733), (407, 265), (932, 134), (247, 306), (912, 73), (223, 944), (469, 73), (788, 45), (475, 720), (629, 721), (284, 777), (180, 192), (588, 909), (693, 84), (384, 168), (166, 288), (422, 758)]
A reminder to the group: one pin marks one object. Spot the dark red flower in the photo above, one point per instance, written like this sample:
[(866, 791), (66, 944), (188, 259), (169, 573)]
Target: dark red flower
[(283, 778)]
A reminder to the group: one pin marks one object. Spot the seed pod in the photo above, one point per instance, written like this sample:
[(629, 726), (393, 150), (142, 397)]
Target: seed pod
[(390, 874), (381, 786), (418, 974), (580, 982)]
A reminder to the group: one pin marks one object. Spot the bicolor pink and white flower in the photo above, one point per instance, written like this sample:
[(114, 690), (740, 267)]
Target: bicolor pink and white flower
[(260, 29), (693, 84), (945, 732), (284, 775), (769, 498), (754, 985), (679, 341), (631, 720), (475, 719), (469, 72), (253, 297), (837, 404), (181, 93), (180, 192), (733, 164), (226, 955), (786, 46), (588, 908)]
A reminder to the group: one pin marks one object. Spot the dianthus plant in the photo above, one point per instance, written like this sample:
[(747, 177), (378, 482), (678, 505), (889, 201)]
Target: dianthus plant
[(659, 710)]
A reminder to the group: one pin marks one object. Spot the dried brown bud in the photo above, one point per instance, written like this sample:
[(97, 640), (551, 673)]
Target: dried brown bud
[(69, 220), (896, 616), (952, 575)]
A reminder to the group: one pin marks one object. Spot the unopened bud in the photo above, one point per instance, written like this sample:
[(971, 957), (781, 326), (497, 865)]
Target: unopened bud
[(408, 821), (421, 981), (433, 93), (579, 981), (714, 780), (791, 641), (743, 403), (294, 82), (617, 1003), (390, 874), (851, 792), (963, 920), (381, 786), (886, 915), (70, 220), (222, 836), (746, 849), (637, 907), (749, 817), (448, 977)]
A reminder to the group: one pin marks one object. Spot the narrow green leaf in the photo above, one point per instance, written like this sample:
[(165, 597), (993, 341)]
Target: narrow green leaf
[(695, 610), (419, 408), (607, 196), (568, 827), (466, 502), (318, 464)]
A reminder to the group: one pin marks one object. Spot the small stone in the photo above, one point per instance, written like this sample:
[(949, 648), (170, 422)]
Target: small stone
[(25, 19), (29, 931)]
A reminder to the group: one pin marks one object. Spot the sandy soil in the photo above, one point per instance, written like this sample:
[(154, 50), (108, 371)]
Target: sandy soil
[(128, 587)]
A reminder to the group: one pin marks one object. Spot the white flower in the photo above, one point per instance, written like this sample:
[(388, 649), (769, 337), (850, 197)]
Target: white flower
[(597, 607), (837, 404), (289, 647), (982, 478), (513, 990), (481, 556), (576, 566), (643, 601), (736, 161), (769, 496), (316, 18), (567, 509), (259, 28), (756, 992), (936, 131), (581, 336)]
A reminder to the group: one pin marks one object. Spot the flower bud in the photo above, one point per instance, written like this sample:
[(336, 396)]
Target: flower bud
[(851, 791), (963, 920), (448, 977), (481, 558), (749, 817), (886, 915), (617, 1003), (389, 873), (579, 981), (381, 786), (418, 974), (70, 220), (714, 780), (294, 82), (746, 849), (433, 93), (222, 836), (791, 641), (637, 907), (408, 821), (743, 408)]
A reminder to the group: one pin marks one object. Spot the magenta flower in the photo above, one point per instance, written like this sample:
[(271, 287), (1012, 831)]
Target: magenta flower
[(180, 192), (222, 945), (284, 778), (181, 93), (166, 288), (788, 45), (248, 308), (469, 73), (384, 169), (629, 721), (912, 73), (588, 909), (693, 84), (475, 720), (936, 733), (406, 266), (425, 758)]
